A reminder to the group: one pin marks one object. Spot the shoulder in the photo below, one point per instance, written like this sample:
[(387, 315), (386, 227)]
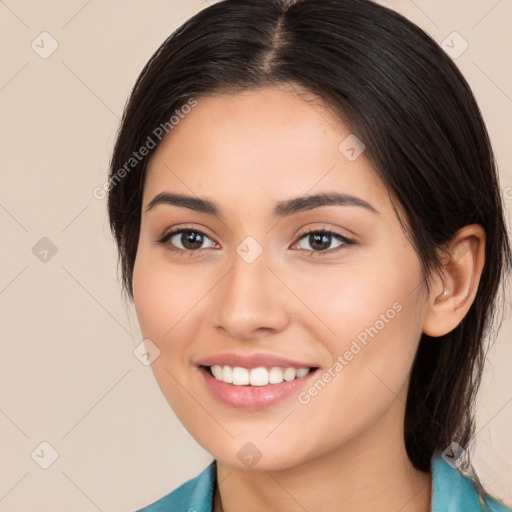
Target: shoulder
[(195, 495), (454, 492)]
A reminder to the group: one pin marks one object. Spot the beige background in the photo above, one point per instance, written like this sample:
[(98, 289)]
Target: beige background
[(68, 375)]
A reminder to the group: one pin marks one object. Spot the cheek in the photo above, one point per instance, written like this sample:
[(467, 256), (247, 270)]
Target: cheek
[(356, 300), (163, 297), (373, 313), (162, 300), (149, 297)]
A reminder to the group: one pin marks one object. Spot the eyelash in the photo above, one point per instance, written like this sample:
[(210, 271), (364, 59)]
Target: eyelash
[(345, 241)]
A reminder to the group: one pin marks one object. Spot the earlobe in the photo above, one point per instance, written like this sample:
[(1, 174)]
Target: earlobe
[(454, 289)]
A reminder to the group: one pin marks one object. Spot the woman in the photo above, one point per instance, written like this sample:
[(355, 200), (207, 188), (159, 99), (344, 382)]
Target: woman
[(309, 223)]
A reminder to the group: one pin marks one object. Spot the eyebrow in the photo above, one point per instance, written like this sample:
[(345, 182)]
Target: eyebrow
[(281, 209)]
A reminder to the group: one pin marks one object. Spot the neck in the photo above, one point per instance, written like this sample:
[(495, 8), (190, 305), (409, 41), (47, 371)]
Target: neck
[(371, 472)]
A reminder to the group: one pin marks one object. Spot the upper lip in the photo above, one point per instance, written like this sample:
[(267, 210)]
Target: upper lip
[(252, 361)]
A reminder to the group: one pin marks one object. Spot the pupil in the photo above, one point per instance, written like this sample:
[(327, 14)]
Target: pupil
[(318, 239), (189, 238)]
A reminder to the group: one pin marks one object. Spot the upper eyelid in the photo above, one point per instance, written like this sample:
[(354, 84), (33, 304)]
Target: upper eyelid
[(327, 230)]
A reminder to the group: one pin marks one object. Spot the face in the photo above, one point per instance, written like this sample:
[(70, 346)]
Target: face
[(253, 273)]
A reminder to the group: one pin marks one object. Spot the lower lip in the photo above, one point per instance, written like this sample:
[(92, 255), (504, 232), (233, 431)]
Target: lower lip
[(252, 398)]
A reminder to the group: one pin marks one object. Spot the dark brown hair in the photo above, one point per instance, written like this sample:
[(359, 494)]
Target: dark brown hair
[(424, 135)]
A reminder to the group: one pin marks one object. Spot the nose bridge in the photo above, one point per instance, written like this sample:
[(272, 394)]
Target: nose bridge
[(248, 298)]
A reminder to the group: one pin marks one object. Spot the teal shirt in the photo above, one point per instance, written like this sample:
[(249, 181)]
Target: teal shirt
[(451, 492)]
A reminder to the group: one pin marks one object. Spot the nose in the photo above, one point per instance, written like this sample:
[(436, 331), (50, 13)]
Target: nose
[(251, 300)]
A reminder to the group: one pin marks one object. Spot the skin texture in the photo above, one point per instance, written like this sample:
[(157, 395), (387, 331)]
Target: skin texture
[(344, 450)]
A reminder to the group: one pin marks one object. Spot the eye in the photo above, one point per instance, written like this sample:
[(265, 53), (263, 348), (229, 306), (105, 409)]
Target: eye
[(320, 241), (188, 240), (185, 240)]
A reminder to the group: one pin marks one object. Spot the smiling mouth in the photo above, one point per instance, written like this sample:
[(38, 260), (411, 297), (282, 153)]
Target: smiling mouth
[(260, 376)]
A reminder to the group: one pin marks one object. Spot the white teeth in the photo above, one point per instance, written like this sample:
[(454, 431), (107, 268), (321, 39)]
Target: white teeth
[(240, 376), (227, 375), (302, 372), (217, 371), (289, 374), (260, 376), (275, 375)]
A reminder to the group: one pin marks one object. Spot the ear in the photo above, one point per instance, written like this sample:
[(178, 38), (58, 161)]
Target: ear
[(453, 291)]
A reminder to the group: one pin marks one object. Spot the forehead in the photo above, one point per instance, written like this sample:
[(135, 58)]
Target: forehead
[(258, 144)]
